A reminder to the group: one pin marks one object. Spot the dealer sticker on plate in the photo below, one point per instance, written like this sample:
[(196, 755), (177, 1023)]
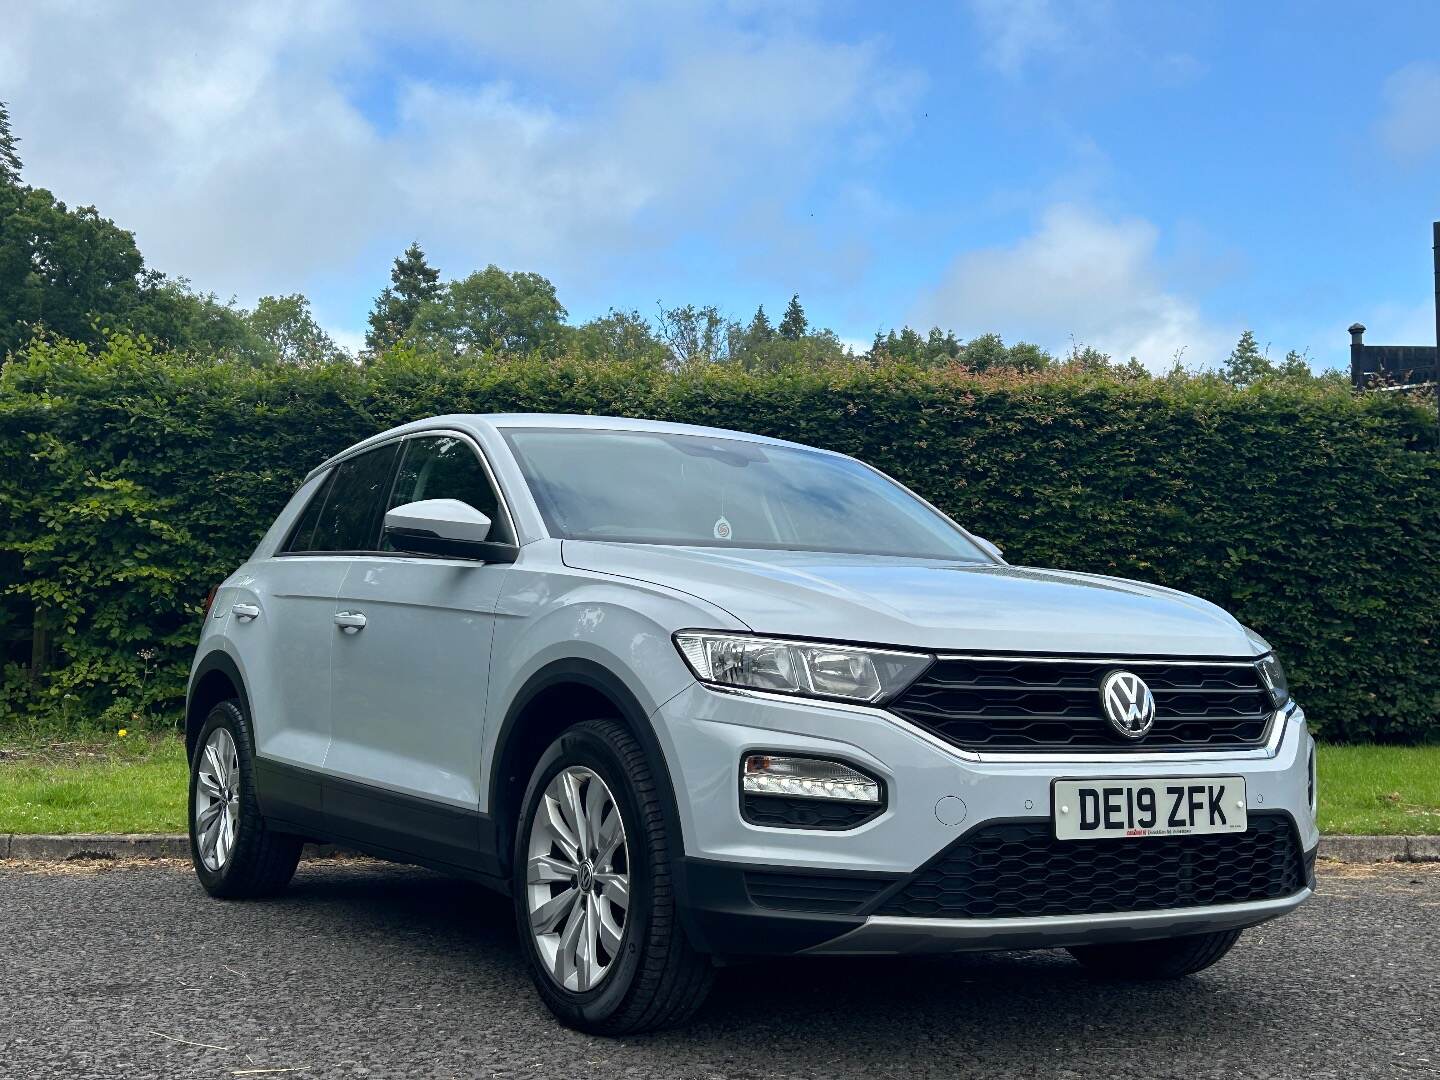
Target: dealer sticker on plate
[(1120, 809)]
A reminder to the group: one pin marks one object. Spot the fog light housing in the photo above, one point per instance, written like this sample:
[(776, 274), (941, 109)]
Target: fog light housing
[(807, 778), (1313, 793)]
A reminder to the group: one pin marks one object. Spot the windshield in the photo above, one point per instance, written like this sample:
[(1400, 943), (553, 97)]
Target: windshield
[(645, 487)]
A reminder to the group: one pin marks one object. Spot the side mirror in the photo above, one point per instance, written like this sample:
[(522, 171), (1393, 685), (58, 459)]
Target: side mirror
[(989, 547), (445, 527)]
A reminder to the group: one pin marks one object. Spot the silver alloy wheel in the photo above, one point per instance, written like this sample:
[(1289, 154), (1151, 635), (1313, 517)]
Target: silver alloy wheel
[(578, 878), (217, 799)]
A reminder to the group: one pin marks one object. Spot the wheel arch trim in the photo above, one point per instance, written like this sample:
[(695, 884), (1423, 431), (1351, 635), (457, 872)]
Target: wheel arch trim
[(217, 660), (596, 677)]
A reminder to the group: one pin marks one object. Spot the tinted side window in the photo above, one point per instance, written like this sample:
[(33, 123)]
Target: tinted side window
[(303, 534), (350, 518), (443, 467)]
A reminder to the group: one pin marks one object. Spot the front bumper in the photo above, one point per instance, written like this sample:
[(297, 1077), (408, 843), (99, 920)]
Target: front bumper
[(706, 733), (890, 936)]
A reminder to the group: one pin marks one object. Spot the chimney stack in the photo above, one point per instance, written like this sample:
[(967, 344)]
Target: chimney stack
[(1357, 350)]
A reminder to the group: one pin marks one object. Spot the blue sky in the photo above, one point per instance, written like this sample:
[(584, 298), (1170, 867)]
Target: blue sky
[(1147, 177)]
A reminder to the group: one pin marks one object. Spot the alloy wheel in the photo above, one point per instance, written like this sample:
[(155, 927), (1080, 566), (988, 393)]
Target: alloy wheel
[(578, 879), (217, 799)]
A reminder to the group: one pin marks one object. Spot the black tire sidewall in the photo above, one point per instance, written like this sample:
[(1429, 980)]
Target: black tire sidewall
[(585, 747), (231, 716)]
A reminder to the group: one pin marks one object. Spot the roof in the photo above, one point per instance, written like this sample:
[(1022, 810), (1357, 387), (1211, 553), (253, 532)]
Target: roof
[(501, 421)]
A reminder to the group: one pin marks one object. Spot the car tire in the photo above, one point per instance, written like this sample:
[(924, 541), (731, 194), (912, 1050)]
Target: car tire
[(1168, 958), (235, 853), (602, 967)]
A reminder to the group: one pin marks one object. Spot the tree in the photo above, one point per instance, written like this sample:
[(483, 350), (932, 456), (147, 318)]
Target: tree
[(78, 275), (492, 310), (760, 328), (289, 333), (413, 283), (1296, 365), (990, 351), (618, 335), (794, 324), (816, 349), (1087, 358), (1132, 370), (9, 156), (698, 335), (938, 348), (1246, 363), (171, 314), (757, 337), (67, 271)]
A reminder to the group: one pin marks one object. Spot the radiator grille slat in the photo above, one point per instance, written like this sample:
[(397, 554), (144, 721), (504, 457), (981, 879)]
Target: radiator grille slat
[(1024, 705)]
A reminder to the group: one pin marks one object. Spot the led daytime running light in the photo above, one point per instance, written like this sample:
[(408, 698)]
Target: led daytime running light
[(807, 778)]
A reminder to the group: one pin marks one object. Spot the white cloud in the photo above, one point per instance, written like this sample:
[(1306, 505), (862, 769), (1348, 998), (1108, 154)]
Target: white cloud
[(1017, 30), (1078, 276), (1079, 37), (353, 341), (1409, 128), (557, 138)]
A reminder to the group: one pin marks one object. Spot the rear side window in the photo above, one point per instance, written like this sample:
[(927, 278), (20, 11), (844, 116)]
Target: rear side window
[(444, 467), (350, 505), (303, 534)]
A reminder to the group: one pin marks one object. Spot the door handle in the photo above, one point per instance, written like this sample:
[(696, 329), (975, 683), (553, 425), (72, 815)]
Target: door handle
[(352, 622), (245, 612)]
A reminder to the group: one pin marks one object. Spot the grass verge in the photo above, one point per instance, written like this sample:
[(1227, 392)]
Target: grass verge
[(1380, 790), (137, 785), (134, 786)]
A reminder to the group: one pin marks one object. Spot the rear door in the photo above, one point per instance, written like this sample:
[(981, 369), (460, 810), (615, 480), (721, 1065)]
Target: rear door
[(279, 613), (288, 618), (410, 671)]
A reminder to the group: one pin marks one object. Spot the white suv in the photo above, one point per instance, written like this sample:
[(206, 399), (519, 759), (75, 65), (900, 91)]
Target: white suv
[(691, 695)]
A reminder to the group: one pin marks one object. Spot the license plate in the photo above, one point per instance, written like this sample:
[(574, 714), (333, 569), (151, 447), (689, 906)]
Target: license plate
[(1121, 809)]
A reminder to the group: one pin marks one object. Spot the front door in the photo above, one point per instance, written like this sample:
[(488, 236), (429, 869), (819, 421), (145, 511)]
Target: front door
[(410, 670)]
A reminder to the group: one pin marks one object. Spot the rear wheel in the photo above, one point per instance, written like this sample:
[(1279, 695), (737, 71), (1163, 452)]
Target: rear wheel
[(234, 853), (1169, 958), (593, 895)]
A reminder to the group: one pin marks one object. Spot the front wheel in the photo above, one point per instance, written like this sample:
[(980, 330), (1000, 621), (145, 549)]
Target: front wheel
[(594, 899), (1169, 958)]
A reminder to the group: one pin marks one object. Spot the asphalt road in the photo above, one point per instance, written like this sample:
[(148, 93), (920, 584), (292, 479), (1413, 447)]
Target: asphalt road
[(364, 970)]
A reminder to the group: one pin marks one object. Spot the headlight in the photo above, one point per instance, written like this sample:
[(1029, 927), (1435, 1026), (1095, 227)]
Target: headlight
[(1272, 672), (798, 667)]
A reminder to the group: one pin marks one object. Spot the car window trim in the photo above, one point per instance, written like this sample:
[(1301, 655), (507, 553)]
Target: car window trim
[(322, 494), (479, 452), (328, 485), (402, 440)]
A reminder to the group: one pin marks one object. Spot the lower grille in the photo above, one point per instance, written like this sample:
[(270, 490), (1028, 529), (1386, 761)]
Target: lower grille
[(1019, 870), (811, 892), (784, 812)]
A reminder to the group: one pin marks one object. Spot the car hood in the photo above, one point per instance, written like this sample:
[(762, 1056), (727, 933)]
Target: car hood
[(928, 604)]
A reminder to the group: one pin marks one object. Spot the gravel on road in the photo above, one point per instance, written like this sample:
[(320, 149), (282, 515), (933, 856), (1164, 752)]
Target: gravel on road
[(126, 969)]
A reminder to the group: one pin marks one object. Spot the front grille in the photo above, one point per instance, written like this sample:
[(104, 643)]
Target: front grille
[(1019, 870), (1032, 705)]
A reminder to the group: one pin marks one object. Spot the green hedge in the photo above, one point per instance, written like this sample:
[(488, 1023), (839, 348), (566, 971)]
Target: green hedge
[(130, 482)]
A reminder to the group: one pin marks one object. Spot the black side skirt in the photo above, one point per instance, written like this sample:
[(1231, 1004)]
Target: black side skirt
[(386, 824)]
